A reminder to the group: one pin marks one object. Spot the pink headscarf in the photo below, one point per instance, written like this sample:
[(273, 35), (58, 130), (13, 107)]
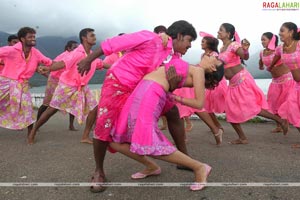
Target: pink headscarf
[(271, 44), (237, 37), (204, 34)]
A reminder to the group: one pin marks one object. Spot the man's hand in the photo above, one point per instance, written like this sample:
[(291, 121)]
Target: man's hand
[(84, 67), (165, 38), (43, 70), (173, 78)]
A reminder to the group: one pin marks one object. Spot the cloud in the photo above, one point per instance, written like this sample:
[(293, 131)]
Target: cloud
[(110, 17)]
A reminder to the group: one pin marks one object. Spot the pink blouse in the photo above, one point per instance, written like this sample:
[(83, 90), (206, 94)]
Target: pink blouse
[(182, 68), (292, 60), (267, 60), (16, 66), (229, 56), (144, 53), (70, 76)]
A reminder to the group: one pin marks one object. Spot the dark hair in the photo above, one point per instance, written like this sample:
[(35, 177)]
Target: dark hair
[(11, 37), (212, 43), (230, 29), (24, 31), (269, 35), (182, 27), (292, 26), (159, 29), (121, 34), (69, 44), (84, 32), (212, 79)]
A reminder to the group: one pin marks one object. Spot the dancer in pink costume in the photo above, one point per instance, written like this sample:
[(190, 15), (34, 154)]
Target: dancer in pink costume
[(144, 53), (21, 61), (210, 45), (137, 123), (289, 52), (244, 100), (282, 79), (72, 95), (52, 83)]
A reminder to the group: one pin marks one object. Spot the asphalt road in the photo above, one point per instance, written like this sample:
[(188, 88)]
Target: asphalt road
[(239, 171)]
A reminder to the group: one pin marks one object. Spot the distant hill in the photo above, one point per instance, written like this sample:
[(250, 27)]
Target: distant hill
[(52, 46), (252, 67)]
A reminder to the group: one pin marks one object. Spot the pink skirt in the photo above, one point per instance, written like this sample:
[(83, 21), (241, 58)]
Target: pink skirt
[(290, 109), (137, 123), (113, 98), (186, 111), (214, 99), (244, 99), (279, 90), (70, 99), (50, 88), (16, 110)]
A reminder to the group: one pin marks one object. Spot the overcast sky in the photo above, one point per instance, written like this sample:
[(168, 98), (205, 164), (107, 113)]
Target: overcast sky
[(110, 17)]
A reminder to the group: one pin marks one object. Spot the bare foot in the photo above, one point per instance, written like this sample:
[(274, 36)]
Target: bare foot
[(239, 141), (277, 130), (72, 128), (285, 126), (87, 140), (189, 127), (30, 139), (96, 186), (218, 137), (295, 146)]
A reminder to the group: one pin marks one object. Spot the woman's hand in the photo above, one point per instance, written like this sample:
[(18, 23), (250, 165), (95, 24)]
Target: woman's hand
[(209, 63)]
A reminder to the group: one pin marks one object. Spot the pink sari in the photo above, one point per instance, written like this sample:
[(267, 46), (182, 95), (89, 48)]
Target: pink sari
[(137, 123)]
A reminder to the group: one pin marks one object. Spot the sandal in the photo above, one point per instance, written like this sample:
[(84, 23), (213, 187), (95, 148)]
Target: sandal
[(96, 185), (140, 175), (200, 186)]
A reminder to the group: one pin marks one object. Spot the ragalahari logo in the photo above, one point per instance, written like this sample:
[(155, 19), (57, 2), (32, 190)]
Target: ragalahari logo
[(281, 6)]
